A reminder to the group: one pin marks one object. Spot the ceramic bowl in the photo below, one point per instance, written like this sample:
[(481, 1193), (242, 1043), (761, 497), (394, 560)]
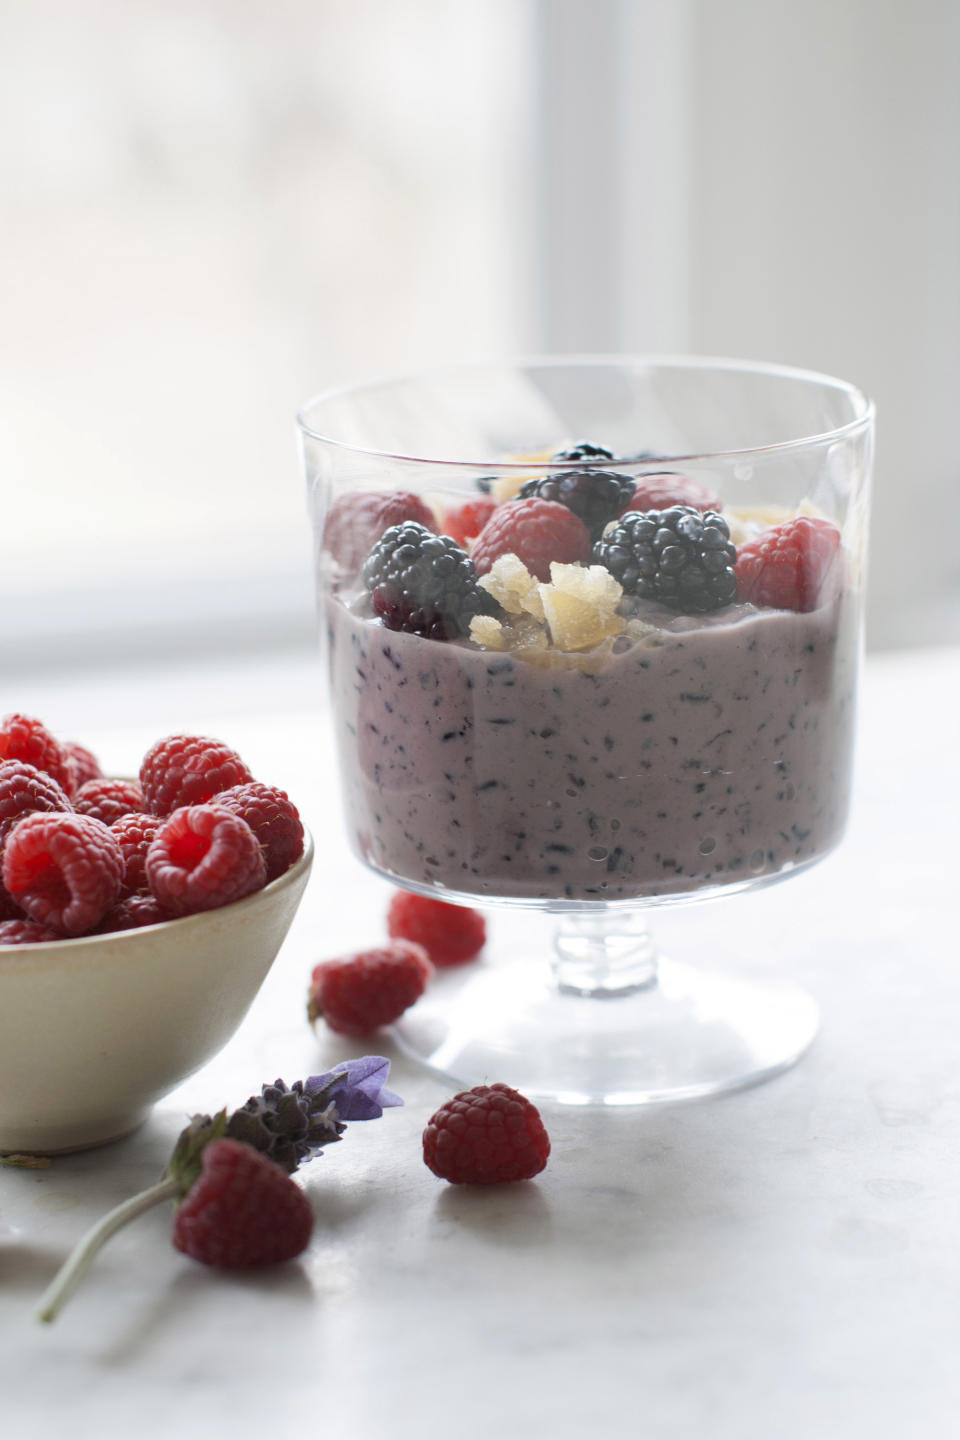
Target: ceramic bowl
[(94, 1031)]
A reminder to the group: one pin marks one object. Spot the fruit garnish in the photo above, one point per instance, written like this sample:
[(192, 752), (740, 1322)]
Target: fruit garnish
[(450, 934), (464, 523), (485, 1136), (681, 557), (582, 452), (595, 496), (356, 994), (785, 568), (536, 531), (423, 583), (668, 488), (357, 520), (229, 1174)]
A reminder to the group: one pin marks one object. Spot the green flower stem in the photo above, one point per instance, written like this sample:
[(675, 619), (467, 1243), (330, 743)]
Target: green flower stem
[(77, 1264)]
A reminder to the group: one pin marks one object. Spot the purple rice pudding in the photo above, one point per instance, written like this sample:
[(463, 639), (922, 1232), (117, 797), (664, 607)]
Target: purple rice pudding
[(686, 752)]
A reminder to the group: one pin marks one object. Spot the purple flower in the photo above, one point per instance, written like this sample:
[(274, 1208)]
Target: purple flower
[(356, 1087)]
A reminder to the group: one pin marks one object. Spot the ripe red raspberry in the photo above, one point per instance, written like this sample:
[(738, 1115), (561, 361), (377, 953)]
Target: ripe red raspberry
[(450, 934), (242, 1211), (132, 913), (27, 932), (536, 531), (785, 567), (63, 870), (273, 818), (484, 1136), (355, 522), (84, 764), (23, 789), (133, 834), (108, 799), (188, 770), (201, 858), (23, 738), (357, 993), (465, 522), (662, 491)]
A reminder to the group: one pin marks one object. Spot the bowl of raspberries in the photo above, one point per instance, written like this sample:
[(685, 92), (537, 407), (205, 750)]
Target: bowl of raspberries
[(139, 916)]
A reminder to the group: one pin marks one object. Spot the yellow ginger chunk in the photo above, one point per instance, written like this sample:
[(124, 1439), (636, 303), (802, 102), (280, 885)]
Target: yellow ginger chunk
[(580, 606), (513, 587), (486, 630)]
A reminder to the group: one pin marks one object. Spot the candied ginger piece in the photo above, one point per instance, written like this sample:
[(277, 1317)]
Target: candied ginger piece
[(576, 624), (486, 630), (592, 584), (513, 587)]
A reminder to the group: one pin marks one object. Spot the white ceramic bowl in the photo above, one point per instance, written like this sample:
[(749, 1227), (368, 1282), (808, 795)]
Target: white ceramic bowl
[(94, 1031)]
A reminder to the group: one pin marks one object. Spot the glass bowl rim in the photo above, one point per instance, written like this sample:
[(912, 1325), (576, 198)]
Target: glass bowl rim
[(860, 423)]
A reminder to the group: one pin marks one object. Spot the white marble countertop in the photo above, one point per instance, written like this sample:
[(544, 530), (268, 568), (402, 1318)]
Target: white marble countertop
[(780, 1263)]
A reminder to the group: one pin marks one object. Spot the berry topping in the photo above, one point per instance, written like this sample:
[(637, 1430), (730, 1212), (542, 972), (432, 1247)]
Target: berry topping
[(450, 934), (681, 557), (484, 1136), (273, 818), (785, 568), (662, 491), (108, 799), (133, 834), (582, 453), (23, 789), (536, 531), (203, 857), (133, 912), (27, 932), (355, 522), (595, 496), (188, 770), (64, 870), (357, 993), (242, 1211), (423, 583), (23, 738), (465, 522), (84, 764)]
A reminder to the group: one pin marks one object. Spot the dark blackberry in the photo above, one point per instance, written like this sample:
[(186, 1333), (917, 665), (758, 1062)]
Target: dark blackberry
[(682, 557), (424, 583), (582, 451), (595, 496)]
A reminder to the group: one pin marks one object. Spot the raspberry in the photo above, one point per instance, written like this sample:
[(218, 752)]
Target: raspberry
[(108, 799), (188, 770), (84, 764), (23, 738), (23, 789), (466, 522), (64, 870), (595, 496), (662, 491), (536, 531), (201, 858), (133, 833), (132, 913), (273, 818), (785, 567), (27, 932), (450, 934), (355, 522), (484, 1136), (357, 993), (242, 1211), (423, 583), (9, 909), (681, 557)]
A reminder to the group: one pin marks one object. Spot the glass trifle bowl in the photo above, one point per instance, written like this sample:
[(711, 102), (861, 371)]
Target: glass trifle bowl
[(592, 627)]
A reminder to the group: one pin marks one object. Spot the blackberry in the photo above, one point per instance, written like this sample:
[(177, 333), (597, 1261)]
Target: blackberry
[(682, 557), (424, 583), (595, 496), (583, 451)]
